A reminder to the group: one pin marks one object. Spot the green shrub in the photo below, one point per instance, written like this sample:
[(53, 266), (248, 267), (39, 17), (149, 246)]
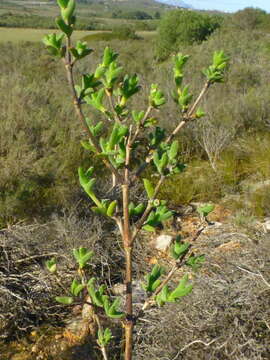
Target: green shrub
[(182, 27), (249, 18)]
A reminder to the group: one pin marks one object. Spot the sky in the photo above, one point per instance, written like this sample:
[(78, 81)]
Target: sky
[(229, 5)]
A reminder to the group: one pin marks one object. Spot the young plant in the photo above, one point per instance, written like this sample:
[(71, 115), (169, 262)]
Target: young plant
[(116, 142)]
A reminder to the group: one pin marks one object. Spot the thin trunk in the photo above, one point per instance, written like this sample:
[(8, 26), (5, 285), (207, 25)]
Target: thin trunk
[(127, 239)]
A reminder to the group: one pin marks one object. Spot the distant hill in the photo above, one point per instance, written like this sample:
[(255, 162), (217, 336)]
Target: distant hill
[(178, 3)]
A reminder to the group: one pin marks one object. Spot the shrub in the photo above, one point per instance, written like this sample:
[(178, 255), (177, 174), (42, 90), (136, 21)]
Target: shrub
[(182, 27), (249, 18), (127, 141)]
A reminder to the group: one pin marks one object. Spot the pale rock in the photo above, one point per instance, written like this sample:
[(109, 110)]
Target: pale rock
[(266, 225), (163, 242)]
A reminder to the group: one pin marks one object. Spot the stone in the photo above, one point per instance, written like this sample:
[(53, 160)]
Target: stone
[(162, 242), (266, 226)]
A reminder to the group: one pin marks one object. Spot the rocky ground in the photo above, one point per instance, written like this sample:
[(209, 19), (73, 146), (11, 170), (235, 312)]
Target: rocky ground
[(226, 316)]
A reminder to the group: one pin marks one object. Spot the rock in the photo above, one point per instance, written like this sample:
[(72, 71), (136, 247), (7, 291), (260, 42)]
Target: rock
[(162, 242), (266, 225), (138, 293)]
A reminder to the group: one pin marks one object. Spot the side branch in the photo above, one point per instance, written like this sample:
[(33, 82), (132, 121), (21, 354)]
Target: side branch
[(188, 117), (79, 112)]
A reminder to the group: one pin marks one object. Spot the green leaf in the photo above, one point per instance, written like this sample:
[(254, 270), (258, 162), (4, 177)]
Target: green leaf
[(68, 11), (206, 210), (82, 256), (96, 100), (76, 287), (162, 296), (62, 3), (156, 97), (96, 295), (63, 26), (149, 188), (182, 289), (108, 57), (104, 337), (149, 228), (51, 265), (195, 262), (88, 146), (173, 150), (66, 300), (152, 279), (199, 113), (179, 248), (111, 208), (179, 63)]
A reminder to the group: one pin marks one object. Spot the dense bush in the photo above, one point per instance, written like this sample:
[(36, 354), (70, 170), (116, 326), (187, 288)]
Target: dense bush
[(135, 15), (249, 18), (183, 27)]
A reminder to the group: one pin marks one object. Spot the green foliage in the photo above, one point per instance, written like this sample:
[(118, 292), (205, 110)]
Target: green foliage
[(179, 248), (96, 294), (182, 27), (65, 300), (51, 265), (183, 289), (153, 279), (206, 210), (82, 256), (104, 337), (215, 72), (249, 18), (76, 287), (157, 217), (124, 32), (195, 262)]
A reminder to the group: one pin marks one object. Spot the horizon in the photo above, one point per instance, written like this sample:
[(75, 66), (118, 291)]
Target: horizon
[(228, 5)]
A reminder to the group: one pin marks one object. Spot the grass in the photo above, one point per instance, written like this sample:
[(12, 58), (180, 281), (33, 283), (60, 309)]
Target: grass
[(16, 35)]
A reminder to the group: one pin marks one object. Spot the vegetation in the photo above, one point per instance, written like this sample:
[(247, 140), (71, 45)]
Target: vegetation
[(182, 27), (39, 154), (118, 147), (91, 15)]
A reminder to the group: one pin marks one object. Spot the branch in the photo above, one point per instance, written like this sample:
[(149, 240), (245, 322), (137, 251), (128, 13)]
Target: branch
[(79, 112), (198, 342), (177, 265), (102, 348), (189, 116)]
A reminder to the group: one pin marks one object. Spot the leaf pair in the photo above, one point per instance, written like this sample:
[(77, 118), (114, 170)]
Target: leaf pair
[(96, 99), (67, 9), (215, 72), (179, 63), (179, 248), (156, 217), (81, 50), (101, 300), (183, 289), (53, 42), (152, 279), (128, 88), (96, 294), (135, 210), (82, 256), (104, 337), (156, 97), (115, 147)]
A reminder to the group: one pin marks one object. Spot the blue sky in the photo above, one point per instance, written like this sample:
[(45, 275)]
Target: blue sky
[(229, 5)]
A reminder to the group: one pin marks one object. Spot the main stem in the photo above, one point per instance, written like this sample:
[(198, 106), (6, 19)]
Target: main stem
[(127, 239), (128, 247)]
